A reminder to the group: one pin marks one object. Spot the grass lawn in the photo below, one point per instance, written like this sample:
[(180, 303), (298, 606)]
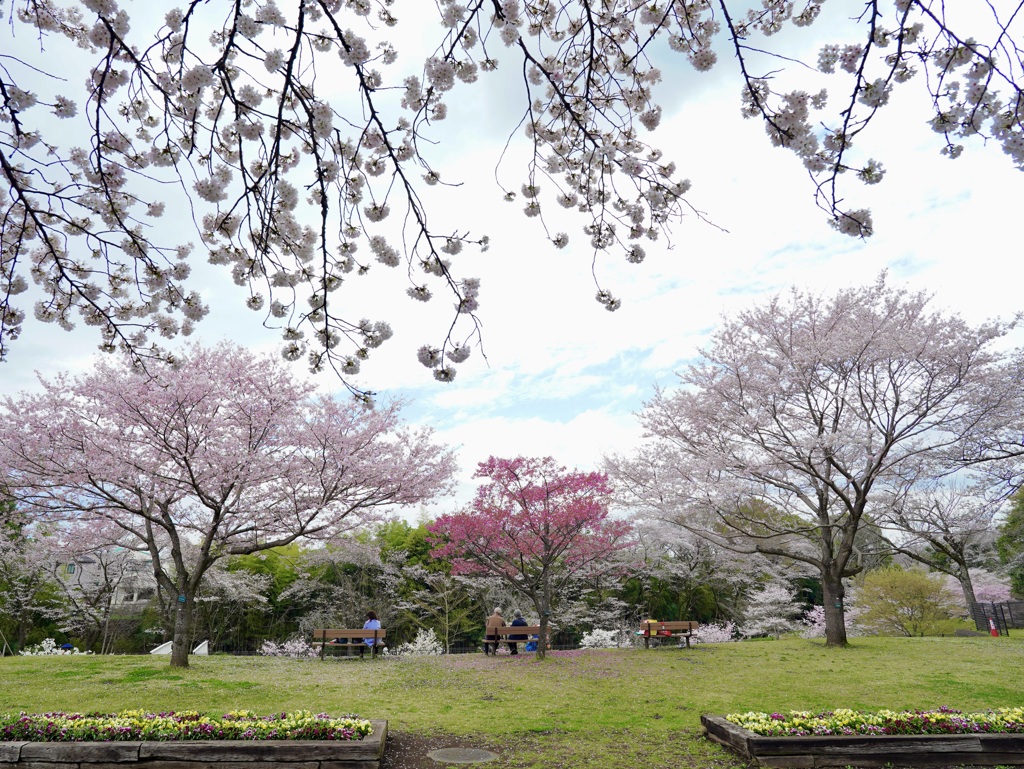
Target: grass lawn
[(574, 710)]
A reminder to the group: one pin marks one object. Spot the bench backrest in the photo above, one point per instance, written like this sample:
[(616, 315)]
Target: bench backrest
[(681, 625), (326, 634), (508, 630)]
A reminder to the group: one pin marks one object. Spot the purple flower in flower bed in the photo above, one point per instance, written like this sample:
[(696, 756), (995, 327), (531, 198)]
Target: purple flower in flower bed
[(940, 721), (188, 725)]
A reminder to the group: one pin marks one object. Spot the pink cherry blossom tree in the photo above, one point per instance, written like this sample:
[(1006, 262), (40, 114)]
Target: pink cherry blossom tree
[(990, 588), (220, 453), (807, 411), (536, 526), (302, 145)]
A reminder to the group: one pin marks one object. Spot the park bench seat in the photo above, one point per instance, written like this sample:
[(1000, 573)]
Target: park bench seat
[(348, 638), (682, 629)]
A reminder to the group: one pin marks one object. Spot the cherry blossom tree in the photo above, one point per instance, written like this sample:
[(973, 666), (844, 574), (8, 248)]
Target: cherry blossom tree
[(340, 582), (535, 525), (806, 411), (224, 597), (685, 576), (94, 572), (26, 592), (989, 587), (948, 527), (996, 451), (303, 147), (221, 453), (770, 611)]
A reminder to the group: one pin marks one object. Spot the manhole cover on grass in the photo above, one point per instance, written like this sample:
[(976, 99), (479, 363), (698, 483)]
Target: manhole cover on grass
[(461, 755)]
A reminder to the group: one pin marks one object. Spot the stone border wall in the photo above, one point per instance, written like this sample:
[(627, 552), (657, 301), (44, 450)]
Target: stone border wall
[(197, 754), (929, 750)]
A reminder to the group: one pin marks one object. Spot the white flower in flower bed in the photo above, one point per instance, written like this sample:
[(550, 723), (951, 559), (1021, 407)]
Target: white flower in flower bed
[(49, 648), (424, 644)]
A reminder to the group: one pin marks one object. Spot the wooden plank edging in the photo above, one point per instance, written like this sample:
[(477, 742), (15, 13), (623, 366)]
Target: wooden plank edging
[(309, 754)]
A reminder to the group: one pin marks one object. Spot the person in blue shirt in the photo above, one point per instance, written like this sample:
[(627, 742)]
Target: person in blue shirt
[(372, 623), (518, 621)]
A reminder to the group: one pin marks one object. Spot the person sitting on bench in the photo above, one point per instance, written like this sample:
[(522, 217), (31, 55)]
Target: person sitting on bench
[(494, 621)]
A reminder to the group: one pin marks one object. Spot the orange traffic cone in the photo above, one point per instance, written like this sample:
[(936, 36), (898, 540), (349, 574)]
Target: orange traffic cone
[(992, 629)]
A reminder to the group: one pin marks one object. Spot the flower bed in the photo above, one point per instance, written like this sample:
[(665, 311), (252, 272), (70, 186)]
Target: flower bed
[(300, 740), (183, 725), (849, 722), (939, 738)]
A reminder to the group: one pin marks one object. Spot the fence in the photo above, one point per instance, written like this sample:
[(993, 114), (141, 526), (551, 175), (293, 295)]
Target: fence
[(1006, 615)]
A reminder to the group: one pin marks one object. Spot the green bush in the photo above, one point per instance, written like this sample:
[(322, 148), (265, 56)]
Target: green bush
[(911, 602)]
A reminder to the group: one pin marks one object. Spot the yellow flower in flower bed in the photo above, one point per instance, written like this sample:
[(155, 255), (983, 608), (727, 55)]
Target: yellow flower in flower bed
[(182, 725), (845, 721)]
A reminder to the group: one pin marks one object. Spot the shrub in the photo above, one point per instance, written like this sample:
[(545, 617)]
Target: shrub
[(906, 603), (606, 639), (713, 633), (424, 644), (48, 648), (296, 648)]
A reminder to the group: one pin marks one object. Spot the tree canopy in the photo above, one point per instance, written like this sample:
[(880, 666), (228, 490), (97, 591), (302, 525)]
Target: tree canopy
[(223, 453), (300, 144), (535, 525), (826, 410)]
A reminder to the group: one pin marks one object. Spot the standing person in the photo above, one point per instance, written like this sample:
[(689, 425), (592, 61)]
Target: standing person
[(372, 623), (493, 622), (517, 621)]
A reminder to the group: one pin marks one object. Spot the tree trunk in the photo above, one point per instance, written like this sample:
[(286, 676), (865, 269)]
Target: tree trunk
[(835, 610), (544, 610), (964, 578), (182, 636), (542, 639)]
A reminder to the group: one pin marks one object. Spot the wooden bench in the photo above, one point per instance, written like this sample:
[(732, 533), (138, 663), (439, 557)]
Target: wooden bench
[(348, 638), (681, 629), (495, 635)]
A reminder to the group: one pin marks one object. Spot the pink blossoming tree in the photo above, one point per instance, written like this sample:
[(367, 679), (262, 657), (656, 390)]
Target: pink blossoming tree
[(805, 413), (221, 453), (535, 525)]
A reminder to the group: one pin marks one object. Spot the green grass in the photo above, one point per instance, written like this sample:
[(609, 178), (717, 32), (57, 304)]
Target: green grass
[(594, 709)]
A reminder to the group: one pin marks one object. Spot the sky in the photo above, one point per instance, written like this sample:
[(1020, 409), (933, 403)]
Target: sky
[(559, 375)]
